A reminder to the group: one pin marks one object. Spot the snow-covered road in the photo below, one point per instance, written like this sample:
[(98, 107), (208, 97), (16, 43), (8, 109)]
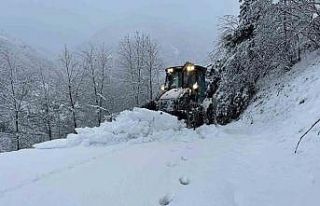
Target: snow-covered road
[(225, 170)]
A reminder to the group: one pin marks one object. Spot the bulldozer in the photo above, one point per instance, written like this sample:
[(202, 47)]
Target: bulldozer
[(185, 95)]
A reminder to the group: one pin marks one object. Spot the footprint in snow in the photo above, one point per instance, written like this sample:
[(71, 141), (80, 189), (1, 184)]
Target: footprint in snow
[(189, 147), (171, 164), (173, 150), (184, 180), (183, 158), (166, 200)]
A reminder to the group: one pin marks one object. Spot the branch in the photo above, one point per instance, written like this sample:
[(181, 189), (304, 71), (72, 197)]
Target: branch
[(100, 108), (301, 138), (102, 97)]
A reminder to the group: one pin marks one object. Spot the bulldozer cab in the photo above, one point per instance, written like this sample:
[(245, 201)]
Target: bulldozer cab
[(190, 77)]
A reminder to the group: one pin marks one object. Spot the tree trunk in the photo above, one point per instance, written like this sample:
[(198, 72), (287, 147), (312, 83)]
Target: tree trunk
[(49, 130), (150, 84), (17, 129), (73, 110)]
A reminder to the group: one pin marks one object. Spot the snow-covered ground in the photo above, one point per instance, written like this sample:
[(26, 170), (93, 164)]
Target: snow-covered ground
[(147, 158)]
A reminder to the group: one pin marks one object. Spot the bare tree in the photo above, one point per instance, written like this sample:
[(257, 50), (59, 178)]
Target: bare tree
[(97, 63), (70, 67), (104, 65), (153, 63), (46, 102), (139, 56), (16, 87)]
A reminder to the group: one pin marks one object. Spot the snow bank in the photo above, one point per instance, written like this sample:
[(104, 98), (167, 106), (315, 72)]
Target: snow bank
[(129, 125), (284, 108), (290, 104)]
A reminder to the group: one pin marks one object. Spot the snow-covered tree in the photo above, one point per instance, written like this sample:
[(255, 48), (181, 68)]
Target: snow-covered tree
[(270, 36), (71, 79), (139, 57), (16, 87), (97, 64)]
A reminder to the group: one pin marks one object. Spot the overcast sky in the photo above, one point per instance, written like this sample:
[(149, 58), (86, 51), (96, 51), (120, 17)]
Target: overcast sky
[(48, 24)]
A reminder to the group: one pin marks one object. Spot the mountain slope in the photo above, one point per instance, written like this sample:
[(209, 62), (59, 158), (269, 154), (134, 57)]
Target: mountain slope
[(23, 53), (152, 160)]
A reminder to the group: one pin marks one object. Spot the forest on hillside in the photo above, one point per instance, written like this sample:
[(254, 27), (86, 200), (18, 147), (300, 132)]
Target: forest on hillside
[(41, 100), (44, 99), (267, 37)]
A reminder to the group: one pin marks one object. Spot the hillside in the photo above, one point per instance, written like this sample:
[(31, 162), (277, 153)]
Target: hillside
[(149, 158), (24, 53)]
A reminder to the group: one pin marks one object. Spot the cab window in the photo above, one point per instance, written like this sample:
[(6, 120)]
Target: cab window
[(173, 80)]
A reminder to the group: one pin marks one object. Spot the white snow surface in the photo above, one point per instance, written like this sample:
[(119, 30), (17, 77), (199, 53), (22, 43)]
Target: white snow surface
[(173, 94), (142, 158), (138, 125)]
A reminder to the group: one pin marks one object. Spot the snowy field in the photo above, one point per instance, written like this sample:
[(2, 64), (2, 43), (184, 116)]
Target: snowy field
[(147, 158)]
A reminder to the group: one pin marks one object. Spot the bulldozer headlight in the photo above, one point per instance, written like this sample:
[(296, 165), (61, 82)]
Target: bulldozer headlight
[(170, 70), (195, 86), (190, 68)]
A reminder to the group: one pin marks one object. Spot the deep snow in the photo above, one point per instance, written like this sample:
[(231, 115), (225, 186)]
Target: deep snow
[(148, 158)]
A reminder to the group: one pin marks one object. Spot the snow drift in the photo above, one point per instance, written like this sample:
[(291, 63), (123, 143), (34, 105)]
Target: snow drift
[(141, 124)]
